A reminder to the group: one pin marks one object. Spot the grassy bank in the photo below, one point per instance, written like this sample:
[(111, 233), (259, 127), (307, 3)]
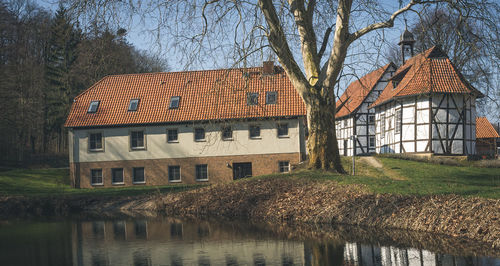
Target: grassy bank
[(396, 176), (406, 177), (54, 182)]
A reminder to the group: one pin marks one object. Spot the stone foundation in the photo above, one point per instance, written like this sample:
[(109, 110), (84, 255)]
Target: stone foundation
[(156, 170)]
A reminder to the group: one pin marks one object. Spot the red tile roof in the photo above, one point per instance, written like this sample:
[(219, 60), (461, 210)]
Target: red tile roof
[(427, 72), (484, 129), (358, 90), (205, 95)]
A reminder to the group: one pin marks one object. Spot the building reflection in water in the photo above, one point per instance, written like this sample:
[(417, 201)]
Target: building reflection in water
[(172, 241), (359, 254)]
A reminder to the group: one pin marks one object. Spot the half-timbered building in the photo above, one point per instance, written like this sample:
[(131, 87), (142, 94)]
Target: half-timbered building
[(427, 107), (355, 118)]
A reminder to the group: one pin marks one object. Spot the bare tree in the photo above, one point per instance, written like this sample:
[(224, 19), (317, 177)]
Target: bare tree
[(310, 39)]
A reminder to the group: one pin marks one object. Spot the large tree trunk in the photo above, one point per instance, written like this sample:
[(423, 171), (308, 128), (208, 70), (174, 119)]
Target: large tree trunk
[(322, 142)]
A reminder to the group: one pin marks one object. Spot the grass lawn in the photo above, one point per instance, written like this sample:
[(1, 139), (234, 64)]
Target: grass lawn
[(50, 182), (397, 177), (418, 178)]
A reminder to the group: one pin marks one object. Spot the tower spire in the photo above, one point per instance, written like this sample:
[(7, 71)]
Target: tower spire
[(406, 42)]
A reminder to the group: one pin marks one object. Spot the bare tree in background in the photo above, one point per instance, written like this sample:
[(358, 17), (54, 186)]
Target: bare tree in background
[(309, 38)]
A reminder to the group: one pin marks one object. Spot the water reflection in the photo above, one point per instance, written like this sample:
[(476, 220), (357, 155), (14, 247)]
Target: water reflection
[(358, 254), (176, 242)]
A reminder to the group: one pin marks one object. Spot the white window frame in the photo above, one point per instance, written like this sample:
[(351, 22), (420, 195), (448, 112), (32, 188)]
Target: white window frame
[(112, 177), (136, 105), (92, 177), (268, 95), (177, 134), (287, 167), (278, 125), (144, 144), (143, 173), (102, 141), (370, 120), (174, 99), (371, 144), (382, 126), (196, 172), (223, 129), (180, 174), (204, 134), (397, 121), (93, 103), (250, 132)]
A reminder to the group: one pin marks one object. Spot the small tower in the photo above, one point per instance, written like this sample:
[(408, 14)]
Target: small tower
[(406, 42)]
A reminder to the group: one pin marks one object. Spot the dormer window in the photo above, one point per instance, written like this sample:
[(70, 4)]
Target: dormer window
[(93, 106), (252, 98), (271, 97), (174, 102), (395, 83), (134, 103)]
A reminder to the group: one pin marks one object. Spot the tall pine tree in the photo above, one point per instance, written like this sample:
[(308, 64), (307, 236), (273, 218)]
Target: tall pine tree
[(60, 90)]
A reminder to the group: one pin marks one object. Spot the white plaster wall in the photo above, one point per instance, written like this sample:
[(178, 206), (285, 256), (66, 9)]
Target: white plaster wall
[(117, 142)]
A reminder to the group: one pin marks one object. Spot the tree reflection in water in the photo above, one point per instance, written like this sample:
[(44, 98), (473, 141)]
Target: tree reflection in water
[(169, 241)]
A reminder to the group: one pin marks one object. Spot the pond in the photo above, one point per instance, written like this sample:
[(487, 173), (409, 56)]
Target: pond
[(172, 241)]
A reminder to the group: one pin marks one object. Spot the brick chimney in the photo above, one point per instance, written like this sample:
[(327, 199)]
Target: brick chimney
[(268, 68)]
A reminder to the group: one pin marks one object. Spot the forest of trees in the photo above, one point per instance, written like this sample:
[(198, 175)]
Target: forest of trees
[(45, 61)]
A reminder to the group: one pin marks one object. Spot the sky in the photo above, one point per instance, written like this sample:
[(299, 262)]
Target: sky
[(364, 56), (139, 36)]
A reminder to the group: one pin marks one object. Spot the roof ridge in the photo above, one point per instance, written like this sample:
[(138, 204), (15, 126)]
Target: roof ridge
[(182, 71)]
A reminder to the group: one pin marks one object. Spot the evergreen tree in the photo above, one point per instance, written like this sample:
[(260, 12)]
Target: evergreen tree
[(60, 91)]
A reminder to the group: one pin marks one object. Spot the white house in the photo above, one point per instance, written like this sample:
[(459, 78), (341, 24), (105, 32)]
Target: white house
[(185, 127), (354, 117), (427, 107)]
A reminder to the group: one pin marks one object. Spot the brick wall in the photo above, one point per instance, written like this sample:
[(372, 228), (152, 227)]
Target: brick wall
[(156, 170)]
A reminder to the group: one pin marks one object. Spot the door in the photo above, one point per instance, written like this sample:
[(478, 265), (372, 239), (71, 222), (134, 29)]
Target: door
[(345, 147), (241, 170)]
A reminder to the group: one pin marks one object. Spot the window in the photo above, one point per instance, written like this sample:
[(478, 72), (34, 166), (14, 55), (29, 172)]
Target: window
[(254, 131), (345, 122), (282, 130), (382, 125), (271, 97), (199, 134), (95, 142), (252, 98), (284, 166), (201, 172), (174, 102), (371, 119), (397, 123), (174, 173), (117, 175), (138, 175), (172, 135), (96, 177), (93, 106), (134, 103), (227, 133), (371, 142), (137, 140), (395, 84)]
